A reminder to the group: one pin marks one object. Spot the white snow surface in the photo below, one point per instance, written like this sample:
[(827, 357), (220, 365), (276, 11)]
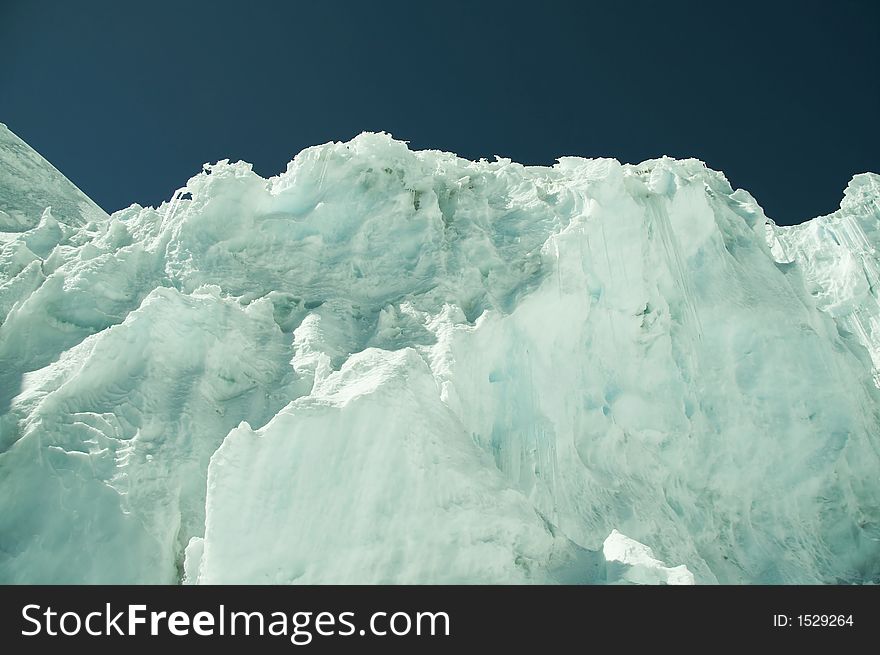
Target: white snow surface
[(389, 366), (639, 564)]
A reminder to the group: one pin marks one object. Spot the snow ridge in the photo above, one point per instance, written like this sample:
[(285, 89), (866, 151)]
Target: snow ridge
[(393, 366)]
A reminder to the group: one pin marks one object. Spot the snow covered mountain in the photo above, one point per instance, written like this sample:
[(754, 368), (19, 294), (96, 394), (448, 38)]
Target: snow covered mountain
[(29, 184), (395, 366)]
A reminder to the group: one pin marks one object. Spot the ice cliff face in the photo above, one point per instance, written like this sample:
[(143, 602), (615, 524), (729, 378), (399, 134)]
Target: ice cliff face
[(839, 260), (395, 366)]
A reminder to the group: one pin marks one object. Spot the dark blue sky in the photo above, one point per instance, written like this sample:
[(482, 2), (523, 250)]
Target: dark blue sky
[(128, 100)]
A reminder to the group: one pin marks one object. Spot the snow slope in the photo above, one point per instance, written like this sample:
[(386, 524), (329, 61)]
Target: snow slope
[(29, 184), (395, 366)]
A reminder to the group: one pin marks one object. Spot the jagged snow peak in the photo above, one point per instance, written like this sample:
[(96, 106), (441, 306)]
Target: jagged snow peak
[(393, 366)]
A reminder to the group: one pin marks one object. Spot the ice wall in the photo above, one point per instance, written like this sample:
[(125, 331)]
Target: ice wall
[(838, 256), (394, 366)]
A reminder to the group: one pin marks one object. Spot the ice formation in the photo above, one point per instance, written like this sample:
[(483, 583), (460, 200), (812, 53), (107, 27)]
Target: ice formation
[(638, 564), (388, 366)]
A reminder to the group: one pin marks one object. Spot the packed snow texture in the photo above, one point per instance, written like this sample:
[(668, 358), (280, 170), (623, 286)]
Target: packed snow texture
[(388, 366)]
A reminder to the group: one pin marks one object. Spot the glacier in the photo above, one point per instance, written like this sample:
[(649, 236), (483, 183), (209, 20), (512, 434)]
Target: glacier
[(395, 366)]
